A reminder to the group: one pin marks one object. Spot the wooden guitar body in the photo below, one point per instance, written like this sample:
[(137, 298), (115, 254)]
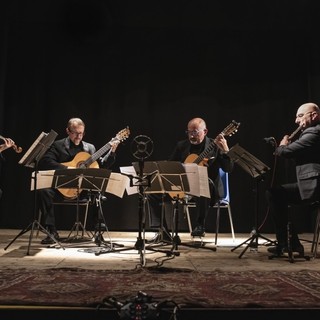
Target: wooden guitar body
[(77, 162), (85, 160), (192, 158), (202, 159)]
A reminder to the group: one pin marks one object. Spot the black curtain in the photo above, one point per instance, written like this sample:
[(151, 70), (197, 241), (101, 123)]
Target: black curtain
[(153, 66)]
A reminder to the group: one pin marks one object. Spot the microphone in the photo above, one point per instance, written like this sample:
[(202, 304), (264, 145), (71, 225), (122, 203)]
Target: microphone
[(270, 140)]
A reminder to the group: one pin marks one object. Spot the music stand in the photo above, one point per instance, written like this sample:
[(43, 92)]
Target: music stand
[(162, 177), (171, 179), (257, 170), (31, 159), (90, 179)]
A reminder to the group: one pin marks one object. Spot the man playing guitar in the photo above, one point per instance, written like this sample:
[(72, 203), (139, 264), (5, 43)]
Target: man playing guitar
[(62, 155), (198, 148)]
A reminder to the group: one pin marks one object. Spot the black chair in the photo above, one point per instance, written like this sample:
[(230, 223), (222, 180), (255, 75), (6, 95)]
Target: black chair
[(79, 227), (314, 242)]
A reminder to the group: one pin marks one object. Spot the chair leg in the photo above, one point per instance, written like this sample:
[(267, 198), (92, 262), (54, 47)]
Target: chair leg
[(217, 224), (231, 224), (188, 218), (316, 234)]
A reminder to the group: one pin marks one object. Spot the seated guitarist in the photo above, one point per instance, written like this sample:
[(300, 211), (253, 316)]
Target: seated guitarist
[(61, 155), (186, 151)]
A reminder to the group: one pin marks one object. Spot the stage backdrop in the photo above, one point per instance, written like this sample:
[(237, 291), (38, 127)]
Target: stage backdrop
[(153, 66)]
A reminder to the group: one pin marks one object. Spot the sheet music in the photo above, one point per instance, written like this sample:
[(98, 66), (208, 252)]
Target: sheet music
[(204, 182), (117, 184), (198, 180), (36, 142), (44, 179), (129, 171), (192, 172)]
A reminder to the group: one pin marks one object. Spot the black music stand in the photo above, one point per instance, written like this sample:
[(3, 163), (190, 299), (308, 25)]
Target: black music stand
[(93, 180), (168, 177), (163, 177), (172, 179), (31, 159), (90, 179), (257, 170)]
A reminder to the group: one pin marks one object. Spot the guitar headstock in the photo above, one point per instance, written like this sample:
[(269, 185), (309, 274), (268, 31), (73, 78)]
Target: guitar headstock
[(231, 129), (123, 134)]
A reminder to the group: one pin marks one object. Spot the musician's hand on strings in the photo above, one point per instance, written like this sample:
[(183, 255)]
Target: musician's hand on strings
[(221, 143), (114, 146)]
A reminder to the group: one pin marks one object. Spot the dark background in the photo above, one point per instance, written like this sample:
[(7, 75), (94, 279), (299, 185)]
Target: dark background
[(152, 66)]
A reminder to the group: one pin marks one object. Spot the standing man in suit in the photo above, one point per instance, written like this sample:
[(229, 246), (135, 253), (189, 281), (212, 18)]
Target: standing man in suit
[(306, 153)]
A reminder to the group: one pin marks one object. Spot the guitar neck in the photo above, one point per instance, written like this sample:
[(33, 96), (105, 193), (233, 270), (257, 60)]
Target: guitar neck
[(94, 157), (204, 153)]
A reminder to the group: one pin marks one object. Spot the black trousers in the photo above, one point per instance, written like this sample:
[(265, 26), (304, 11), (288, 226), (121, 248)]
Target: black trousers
[(46, 197), (159, 205), (279, 199)]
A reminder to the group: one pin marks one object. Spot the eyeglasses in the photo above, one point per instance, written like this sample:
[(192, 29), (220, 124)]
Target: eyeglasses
[(76, 133), (300, 115), (193, 132)]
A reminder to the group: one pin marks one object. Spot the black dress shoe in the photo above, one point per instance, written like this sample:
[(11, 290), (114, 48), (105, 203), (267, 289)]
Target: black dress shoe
[(277, 250), (49, 240), (198, 231), (281, 250)]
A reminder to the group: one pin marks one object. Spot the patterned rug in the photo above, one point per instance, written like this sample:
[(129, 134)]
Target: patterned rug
[(94, 288)]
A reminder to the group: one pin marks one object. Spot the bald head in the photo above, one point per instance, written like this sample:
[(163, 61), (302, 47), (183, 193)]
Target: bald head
[(308, 107), (308, 114), (197, 123)]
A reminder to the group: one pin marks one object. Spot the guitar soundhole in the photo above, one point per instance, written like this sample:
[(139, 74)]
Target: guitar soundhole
[(81, 165)]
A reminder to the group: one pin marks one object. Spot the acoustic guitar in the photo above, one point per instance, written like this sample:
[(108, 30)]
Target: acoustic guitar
[(202, 159), (86, 160)]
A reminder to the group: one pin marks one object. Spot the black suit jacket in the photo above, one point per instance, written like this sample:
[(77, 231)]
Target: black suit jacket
[(217, 160), (306, 153), (60, 152)]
